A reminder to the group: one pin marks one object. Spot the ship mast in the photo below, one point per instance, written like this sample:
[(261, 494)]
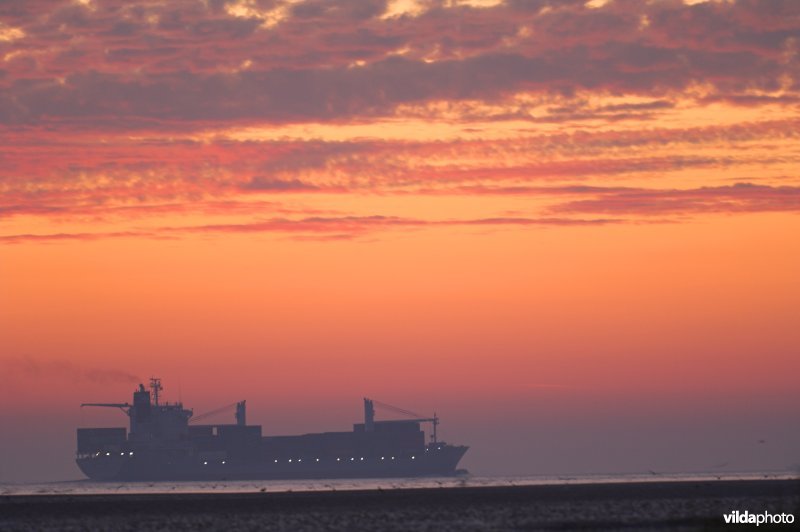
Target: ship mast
[(155, 385)]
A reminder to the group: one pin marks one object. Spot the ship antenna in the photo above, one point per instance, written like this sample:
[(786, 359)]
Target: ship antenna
[(155, 384)]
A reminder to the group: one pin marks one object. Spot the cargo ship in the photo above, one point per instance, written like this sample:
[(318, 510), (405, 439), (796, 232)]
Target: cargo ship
[(164, 442)]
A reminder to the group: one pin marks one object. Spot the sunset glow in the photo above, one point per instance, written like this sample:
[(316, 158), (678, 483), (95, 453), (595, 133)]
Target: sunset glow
[(569, 227)]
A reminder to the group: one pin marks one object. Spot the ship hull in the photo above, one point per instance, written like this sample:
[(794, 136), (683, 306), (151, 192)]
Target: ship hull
[(142, 466)]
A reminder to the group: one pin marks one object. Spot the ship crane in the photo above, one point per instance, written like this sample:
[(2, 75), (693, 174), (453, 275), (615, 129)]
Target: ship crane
[(434, 421), (125, 407), (240, 413), (155, 386)]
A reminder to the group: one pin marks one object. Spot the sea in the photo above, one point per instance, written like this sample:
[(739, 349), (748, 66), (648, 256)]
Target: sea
[(88, 487)]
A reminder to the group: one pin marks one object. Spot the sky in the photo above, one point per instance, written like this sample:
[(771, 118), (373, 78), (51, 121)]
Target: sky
[(568, 227)]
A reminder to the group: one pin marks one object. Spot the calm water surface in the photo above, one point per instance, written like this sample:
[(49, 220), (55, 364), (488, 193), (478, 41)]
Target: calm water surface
[(87, 487)]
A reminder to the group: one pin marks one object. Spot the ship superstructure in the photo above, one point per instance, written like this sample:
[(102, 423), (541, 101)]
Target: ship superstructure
[(164, 442)]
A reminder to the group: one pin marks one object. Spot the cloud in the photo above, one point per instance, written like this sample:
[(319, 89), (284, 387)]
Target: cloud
[(360, 225), (737, 198), (616, 204), (61, 176), (339, 60), (121, 110), (32, 368), (315, 227), (325, 94), (54, 237), (262, 183)]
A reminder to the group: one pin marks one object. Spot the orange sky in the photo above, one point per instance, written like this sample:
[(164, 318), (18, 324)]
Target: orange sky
[(568, 227)]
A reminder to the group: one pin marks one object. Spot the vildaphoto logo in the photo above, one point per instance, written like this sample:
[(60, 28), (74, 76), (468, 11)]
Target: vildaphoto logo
[(742, 518)]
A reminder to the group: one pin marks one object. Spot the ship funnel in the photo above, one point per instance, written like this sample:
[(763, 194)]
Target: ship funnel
[(241, 413), (369, 415)]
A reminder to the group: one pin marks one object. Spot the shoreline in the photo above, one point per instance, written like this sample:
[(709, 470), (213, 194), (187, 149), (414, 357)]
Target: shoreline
[(670, 504)]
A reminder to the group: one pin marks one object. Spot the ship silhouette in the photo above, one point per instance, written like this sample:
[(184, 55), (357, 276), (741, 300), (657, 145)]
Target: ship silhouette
[(163, 443)]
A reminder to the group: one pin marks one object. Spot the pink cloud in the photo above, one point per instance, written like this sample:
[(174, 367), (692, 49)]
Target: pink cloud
[(190, 61), (314, 227), (737, 198)]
